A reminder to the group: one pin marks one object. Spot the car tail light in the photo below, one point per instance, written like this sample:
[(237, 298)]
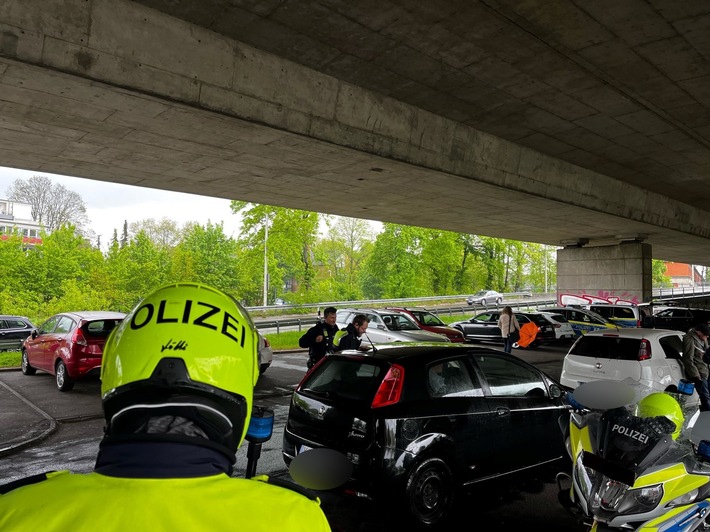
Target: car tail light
[(390, 389), (79, 338), (644, 350), (266, 342)]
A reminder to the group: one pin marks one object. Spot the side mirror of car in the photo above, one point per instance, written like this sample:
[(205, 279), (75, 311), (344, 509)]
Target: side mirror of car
[(381, 326), (555, 391), (34, 333)]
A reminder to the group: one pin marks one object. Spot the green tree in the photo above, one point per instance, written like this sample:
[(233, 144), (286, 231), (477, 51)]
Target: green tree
[(658, 275), (393, 269), (208, 256), (289, 236), (343, 251)]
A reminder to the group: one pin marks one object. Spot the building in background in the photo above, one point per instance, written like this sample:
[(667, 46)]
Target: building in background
[(16, 218), (684, 274)]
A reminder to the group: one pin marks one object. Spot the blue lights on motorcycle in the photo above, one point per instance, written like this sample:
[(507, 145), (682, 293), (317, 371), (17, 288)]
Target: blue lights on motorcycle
[(261, 425), (703, 450), (686, 387), (573, 402)]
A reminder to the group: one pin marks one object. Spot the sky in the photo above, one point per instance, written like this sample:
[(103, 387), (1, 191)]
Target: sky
[(109, 204)]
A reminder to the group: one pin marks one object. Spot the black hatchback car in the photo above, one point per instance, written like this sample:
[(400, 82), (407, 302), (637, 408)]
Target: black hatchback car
[(420, 422), (13, 331), (484, 327)]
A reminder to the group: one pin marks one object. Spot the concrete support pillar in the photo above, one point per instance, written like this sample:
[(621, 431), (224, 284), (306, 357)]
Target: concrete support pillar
[(618, 273)]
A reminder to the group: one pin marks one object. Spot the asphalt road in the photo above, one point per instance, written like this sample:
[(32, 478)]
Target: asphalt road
[(73, 443)]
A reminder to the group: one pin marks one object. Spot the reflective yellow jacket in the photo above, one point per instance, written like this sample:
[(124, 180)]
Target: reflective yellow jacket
[(92, 502)]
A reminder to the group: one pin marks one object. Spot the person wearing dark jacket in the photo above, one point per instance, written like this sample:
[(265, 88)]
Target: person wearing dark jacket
[(351, 337), (695, 344), (319, 338)]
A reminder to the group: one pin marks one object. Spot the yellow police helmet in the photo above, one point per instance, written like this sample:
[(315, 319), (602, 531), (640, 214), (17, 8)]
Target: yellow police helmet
[(662, 404), (189, 350)]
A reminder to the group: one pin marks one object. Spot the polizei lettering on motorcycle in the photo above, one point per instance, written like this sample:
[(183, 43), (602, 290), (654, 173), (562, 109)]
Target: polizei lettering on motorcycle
[(197, 313), (631, 433)]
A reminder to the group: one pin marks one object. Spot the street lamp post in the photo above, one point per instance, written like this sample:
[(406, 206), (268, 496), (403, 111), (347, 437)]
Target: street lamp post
[(266, 260)]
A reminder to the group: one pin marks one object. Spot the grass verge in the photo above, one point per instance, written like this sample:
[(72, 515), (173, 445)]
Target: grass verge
[(10, 359)]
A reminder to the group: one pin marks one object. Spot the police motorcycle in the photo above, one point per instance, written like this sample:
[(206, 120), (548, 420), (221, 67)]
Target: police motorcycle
[(640, 458)]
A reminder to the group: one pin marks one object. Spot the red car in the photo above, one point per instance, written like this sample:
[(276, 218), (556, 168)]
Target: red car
[(431, 322), (69, 345)]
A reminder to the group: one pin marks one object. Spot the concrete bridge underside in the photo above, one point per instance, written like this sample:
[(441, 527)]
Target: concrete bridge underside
[(542, 120)]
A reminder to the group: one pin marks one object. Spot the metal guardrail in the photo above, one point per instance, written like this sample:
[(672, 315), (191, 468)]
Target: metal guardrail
[(535, 303), (308, 321), (364, 303)]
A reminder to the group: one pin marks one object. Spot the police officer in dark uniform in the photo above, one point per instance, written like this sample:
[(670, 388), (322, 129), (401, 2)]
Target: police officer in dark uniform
[(319, 338), (177, 383)]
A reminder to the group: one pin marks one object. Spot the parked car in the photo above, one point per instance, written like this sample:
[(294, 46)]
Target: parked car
[(69, 346), (583, 320), (484, 297), (418, 423), (431, 322), (266, 354), (563, 329), (649, 356), (679, 318), (484, 327), (13, 331), (387, 326), (621, 315)]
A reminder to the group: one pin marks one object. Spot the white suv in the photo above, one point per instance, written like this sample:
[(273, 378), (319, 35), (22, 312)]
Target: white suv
[(651, 357)]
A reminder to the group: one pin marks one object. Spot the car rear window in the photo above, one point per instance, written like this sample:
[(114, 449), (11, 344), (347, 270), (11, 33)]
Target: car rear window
[(612, 347), (100, 328), (355, 379)]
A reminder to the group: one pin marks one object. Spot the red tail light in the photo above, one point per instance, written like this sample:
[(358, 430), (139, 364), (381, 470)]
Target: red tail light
[(390, 390), (79, 338), (266, 342), (644, 350)]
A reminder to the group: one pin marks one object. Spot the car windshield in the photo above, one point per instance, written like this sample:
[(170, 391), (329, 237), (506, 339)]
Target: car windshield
[(481, 293), (399, 322), (427, 318)]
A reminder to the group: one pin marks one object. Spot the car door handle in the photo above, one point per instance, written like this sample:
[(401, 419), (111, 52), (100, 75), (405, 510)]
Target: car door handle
[(501, 411)]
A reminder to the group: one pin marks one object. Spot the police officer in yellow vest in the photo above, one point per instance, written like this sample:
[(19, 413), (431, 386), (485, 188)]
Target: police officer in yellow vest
[(177, 384)]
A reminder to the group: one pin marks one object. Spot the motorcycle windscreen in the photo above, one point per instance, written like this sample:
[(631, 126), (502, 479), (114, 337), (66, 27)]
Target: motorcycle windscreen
[(631, 442)]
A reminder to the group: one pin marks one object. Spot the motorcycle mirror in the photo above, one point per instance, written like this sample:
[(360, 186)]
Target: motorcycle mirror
[(604, 395), (320, 469)]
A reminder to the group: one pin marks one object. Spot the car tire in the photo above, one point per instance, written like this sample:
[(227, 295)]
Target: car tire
[(25, 364), (483, 302), (263, 368), (63, 380), (499, 301), (430, 492)]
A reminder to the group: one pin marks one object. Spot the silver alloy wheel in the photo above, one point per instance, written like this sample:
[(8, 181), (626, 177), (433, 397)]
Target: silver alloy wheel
[(61, 375)]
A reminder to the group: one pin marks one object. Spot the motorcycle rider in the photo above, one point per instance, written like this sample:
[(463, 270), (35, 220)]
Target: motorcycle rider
[(319, 338), (695, 344), (177, 385)]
